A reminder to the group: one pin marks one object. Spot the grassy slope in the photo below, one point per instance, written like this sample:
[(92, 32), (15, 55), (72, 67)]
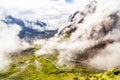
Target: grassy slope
[(29, 67)]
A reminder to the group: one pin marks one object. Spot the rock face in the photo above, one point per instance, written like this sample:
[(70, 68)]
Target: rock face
[(92, 36), (78, 17)]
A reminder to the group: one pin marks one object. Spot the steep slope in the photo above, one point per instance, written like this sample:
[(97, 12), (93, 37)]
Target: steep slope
[(91, 36)]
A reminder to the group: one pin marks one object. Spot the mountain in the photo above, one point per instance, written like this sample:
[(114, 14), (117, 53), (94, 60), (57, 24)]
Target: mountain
[(91, 36), (30, 29), (84, 49)]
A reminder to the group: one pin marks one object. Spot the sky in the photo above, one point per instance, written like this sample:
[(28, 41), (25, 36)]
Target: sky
[(38, 3), (54, 12), (69, 1), (30, 3)]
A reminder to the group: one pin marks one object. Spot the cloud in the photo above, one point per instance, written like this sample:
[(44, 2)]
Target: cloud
[(28, 3), (94, 41), (10, 43), (53, 12)]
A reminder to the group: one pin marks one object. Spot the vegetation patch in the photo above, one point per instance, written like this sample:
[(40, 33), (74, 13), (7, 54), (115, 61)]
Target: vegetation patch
[(29, 67)]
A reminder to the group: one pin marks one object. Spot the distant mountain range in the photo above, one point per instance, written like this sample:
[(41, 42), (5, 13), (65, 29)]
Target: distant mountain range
[(30, 29)]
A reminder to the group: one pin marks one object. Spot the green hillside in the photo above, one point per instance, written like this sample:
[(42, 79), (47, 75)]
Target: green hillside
[(26, 66)]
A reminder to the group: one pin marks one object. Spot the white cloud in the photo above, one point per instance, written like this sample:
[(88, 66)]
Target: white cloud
[(28, 3), (9, 43), (81, 47), (53, 12)]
